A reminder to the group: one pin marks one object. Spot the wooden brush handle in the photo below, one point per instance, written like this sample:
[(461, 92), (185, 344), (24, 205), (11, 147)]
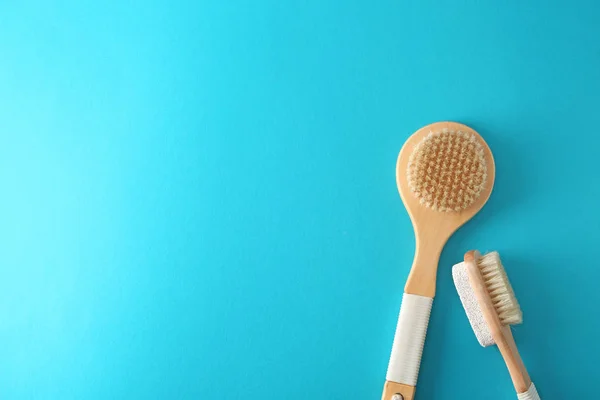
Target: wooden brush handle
[(508, 348), (530, 394), (392, 388), (405, 361)]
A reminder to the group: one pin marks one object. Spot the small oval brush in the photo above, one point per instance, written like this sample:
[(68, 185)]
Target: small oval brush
[(492, 307)]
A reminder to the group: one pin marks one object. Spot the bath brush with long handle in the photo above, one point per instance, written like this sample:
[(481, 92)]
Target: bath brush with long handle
[(491, 306), (445, 174)]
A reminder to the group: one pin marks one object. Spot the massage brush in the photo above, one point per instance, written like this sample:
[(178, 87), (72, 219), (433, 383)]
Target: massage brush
[(491, 306), (445, 174)]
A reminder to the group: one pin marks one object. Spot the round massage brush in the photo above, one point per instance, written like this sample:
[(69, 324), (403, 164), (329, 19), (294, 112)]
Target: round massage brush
[(445, 174), (491, 306)]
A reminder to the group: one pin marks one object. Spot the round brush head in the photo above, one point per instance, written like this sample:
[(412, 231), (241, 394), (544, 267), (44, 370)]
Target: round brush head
[(447, 170)]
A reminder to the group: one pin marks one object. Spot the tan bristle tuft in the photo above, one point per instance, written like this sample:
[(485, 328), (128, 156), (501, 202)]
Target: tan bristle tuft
[(447, 170), (498, 286)]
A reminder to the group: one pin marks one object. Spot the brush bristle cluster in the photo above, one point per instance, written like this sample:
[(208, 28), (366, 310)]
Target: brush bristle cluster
[(500, 290), (447, 170)]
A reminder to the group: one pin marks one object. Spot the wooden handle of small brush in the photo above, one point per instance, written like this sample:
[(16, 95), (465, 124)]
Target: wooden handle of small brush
[(507, 346), (530, 394), (392, 388), (518, 373)]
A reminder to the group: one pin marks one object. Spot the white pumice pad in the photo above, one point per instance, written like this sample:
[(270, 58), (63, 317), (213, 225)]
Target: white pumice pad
[(469, 302)]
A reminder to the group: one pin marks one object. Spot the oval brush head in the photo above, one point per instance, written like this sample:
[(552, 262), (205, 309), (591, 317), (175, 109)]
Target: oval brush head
[(447, 170), (499, 289), (445, 174)]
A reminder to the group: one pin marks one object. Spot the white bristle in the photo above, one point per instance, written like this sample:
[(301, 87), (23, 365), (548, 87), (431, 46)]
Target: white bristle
[(500, 290)]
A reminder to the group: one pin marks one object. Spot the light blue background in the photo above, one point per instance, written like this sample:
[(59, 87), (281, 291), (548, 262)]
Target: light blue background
[(198, 199)]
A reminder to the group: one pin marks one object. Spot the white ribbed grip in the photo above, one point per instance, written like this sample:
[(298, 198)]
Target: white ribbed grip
[(409, 339), (530, 394)]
